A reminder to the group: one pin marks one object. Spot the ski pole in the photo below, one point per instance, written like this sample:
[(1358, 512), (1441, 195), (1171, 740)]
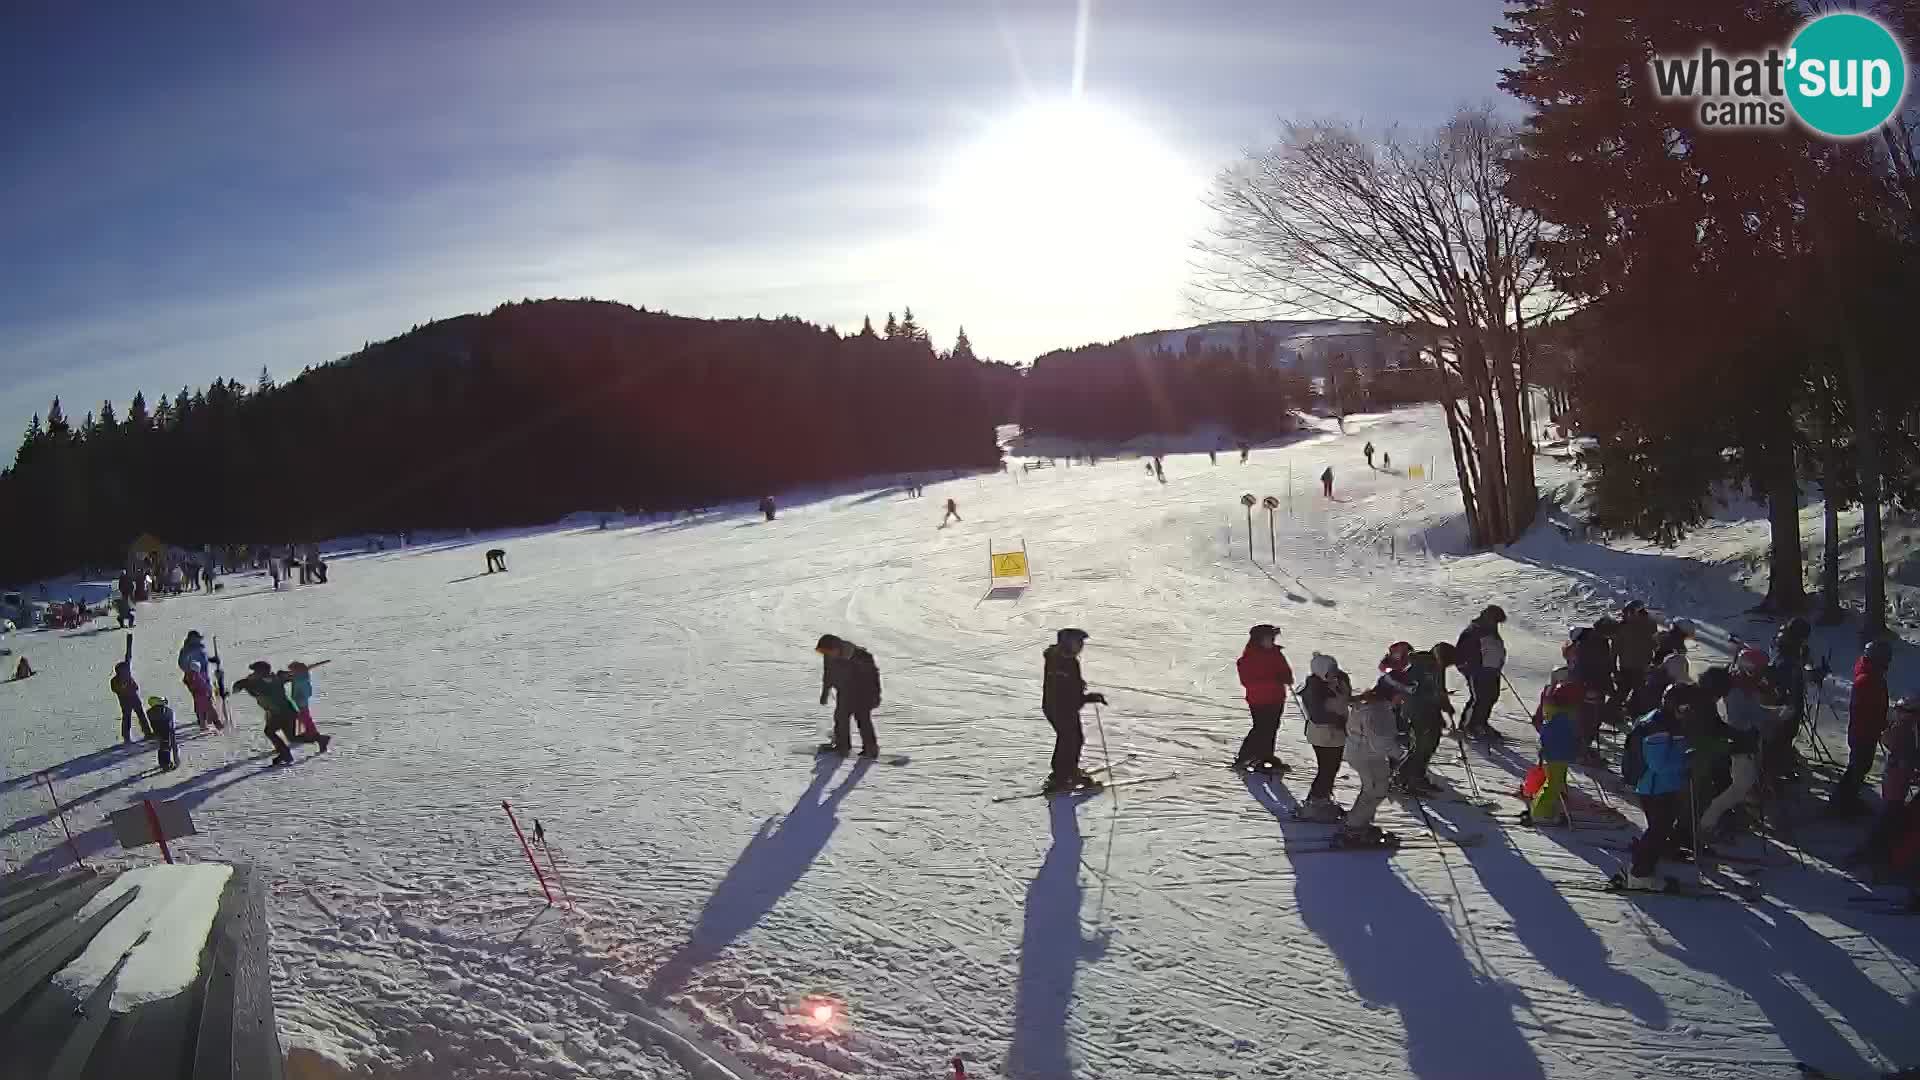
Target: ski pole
[(1104, 752)]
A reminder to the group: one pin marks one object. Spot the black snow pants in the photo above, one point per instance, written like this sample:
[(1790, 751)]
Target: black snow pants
[(1327, 758), (845, 715), (1068, 738), (130, 708), (1426, 740), (281, 732), (1258, 745), (1664, 815)]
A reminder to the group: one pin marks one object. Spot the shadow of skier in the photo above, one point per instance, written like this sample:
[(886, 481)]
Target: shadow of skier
[(772, 863), (1051, 948)]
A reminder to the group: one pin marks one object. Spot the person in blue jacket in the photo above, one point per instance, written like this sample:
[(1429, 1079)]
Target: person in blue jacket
[(1657, 767)]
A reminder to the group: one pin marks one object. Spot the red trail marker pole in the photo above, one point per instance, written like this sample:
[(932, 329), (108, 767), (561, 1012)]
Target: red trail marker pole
[(159, 835), (61, 813), (531, 861)]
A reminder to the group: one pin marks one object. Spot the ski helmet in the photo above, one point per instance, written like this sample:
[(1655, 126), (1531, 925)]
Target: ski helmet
[(260, 666), (1878, 652), (1264, 630), (1400, 649), (297, 667), (1635, 607), (1605, 624), (1323, 665), (1751, 661), (155, 701), (1443, 652), (1070, 634), (193, 636), (827, 643), (1493, 613)]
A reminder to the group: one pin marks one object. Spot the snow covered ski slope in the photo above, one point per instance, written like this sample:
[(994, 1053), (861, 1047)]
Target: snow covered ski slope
[(638, 691)]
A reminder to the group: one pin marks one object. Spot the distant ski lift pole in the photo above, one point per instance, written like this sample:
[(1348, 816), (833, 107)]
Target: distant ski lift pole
[(1272, 504)]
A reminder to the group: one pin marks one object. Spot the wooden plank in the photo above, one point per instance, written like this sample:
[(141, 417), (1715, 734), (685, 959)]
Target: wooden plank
[(21, 896), (49, 952), (15, 932), (238, 1036)]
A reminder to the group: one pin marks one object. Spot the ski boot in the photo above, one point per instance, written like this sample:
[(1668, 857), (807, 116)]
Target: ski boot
[(1323, 811), (870, 752), (1365, 836), (325, 741), (1271, 766), (833, 748)]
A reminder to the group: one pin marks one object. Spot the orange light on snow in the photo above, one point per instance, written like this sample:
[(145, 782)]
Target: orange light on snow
[(821, 1012)]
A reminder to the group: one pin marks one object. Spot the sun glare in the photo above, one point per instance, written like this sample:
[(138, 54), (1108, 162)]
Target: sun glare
[(1071, 196)]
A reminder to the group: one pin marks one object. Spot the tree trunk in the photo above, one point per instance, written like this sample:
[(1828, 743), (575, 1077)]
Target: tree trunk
[(1866, 442), (1831, 610), (1449, 403), (1786, 577)]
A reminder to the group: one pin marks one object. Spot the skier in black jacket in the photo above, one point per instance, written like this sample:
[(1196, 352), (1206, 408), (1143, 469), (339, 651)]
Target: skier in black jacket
[(850, 671), (1062, 695)]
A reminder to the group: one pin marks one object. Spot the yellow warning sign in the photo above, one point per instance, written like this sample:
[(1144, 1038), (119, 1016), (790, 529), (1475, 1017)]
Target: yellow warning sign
[(1416, 472), (1010, 564)]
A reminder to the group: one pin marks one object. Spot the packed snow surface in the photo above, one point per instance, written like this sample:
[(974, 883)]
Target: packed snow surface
[(641, 692), (161, 934)]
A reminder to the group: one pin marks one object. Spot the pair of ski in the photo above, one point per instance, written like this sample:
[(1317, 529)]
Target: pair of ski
[(1814, 1072), (1334, 842), (814, 750), (1673, 887), (1097, 786), (1884, 905)]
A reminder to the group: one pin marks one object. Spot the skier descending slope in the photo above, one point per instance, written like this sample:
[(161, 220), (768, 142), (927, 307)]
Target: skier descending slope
[(1268, 681), (848, 672), (1325, 697), (1656, 765), (1370, 738), (1063, 694)]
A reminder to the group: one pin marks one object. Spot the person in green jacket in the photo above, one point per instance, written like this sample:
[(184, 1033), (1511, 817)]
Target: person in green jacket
[(269, 688)]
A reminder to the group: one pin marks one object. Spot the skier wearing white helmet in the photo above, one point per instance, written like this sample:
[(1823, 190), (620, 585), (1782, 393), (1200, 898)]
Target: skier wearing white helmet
[(1324, 697)]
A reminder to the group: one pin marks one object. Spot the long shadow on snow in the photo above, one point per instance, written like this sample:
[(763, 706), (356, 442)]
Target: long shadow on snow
[(104, 758), (1620, 576), (1399, 952), (1051, 949), (772, 863), (187, 793), (1557, 935)]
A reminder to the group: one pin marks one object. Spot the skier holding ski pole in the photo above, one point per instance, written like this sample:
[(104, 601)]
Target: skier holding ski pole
[(1063, 695)]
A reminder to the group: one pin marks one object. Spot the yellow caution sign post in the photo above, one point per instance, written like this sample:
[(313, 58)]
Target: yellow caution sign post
[(1008, 568)]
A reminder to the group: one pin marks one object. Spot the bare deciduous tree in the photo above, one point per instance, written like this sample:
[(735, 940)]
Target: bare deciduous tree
[(1417, 236)]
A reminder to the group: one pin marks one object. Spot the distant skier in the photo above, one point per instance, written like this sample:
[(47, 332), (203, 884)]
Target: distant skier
[(127, 692), (1866, 722), (1386, 462), (1326, 482), (1656, 765), (497, 560), (1370, 739), (1063, 694), (766, 506), (269, 688), (1368, 450), (1268, 681), (123, 612), (1325, 696), (160, 719), (1244, 451), (848, 672), (196, 674), (953, 513), (1213, 457), (1480, 654)]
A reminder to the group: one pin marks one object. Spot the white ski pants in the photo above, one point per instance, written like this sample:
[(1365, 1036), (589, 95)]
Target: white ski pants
[(1746, 770), (1374, 772)]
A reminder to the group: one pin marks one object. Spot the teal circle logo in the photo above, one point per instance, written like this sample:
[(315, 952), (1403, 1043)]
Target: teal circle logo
[(1846, 75)]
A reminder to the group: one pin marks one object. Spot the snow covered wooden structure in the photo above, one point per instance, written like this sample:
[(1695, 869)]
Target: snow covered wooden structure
[(157, 972)]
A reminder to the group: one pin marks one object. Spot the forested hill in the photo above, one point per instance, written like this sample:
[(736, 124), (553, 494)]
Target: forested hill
[(516, 416)]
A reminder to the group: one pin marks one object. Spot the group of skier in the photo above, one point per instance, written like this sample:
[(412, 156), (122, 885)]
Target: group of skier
[(285, 697)]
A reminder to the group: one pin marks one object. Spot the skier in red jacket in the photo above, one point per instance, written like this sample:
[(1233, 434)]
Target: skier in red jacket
[(1268, 679), (1866, 722)]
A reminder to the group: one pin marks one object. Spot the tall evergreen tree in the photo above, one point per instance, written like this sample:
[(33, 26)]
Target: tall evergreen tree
[(963, 348), (893, 328), (137, 418), (866, 327)]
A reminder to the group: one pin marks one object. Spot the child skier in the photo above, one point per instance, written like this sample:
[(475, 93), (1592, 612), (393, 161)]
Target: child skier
[(269, 688), (1325, 698), (1268, 680), (1656, 765), (953, 513), (160, 718), (127, 692), (1370, 739), (1558, 719), (1063, 694), (300, 685)]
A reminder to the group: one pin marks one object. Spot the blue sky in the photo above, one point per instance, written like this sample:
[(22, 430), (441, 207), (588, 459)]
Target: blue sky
[(198, 194)]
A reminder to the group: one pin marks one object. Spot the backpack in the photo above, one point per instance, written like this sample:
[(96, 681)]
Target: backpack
[(1633, 761)]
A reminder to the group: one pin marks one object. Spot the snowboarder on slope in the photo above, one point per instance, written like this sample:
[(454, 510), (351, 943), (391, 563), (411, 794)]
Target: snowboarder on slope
[(269, 688), (160, 718), (1268, 680), (953, 513), (1325, 698), (1063, 693), (127, 692), (1866, 722), (194, 672), (1370, 739), (849, 672), (1368, 450), (1656, 765), (1480, 654), (497, 561)]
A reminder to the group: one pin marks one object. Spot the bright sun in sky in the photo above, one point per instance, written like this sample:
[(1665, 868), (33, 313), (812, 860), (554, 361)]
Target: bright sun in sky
[(1072, 198)]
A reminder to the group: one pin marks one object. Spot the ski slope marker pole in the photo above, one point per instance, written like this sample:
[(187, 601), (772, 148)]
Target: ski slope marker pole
[(531, 861), (554, 865), (61, 813)]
